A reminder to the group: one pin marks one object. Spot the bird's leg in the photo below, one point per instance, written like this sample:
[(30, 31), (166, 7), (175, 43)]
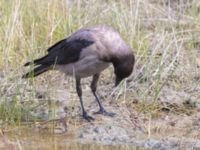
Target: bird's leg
[(79, 92), (93, 88)]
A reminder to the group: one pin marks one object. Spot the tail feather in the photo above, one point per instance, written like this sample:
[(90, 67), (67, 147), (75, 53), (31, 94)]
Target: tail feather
[(36, 71), (35, 62), (27, 64)]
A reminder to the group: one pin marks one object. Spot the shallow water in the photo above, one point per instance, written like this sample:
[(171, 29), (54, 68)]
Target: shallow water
[(35, 140)]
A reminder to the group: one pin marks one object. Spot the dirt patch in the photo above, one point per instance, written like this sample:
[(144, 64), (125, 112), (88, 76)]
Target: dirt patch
[(156, 125)]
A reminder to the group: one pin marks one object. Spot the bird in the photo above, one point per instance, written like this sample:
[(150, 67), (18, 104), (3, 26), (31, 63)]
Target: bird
[(87, 52)]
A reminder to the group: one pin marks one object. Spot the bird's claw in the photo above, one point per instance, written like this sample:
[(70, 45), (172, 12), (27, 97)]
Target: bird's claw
[(105, 113), (87, 117)]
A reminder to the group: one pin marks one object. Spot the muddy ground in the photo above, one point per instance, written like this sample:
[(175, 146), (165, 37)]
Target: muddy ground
[(170, 124)]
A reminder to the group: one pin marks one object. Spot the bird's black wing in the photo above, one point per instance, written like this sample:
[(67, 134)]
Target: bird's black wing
[(63, 52), (57, 45)]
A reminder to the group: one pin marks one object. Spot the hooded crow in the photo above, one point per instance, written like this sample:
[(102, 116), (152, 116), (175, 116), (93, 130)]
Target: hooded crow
[(87, 52)]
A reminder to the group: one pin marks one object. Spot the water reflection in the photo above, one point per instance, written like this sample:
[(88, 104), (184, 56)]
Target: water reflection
[(36, 140)]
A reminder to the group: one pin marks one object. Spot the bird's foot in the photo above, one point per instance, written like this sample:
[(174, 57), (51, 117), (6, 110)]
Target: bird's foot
[(87, 117), (105, 113)]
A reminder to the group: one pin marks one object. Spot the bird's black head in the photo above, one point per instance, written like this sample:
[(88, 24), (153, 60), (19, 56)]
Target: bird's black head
[(123, 67)]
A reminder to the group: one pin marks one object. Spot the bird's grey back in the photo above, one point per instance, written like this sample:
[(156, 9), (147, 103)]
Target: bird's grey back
[(107, 40)]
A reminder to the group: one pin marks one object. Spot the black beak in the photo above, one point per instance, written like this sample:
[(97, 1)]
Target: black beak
[(117, 81)]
